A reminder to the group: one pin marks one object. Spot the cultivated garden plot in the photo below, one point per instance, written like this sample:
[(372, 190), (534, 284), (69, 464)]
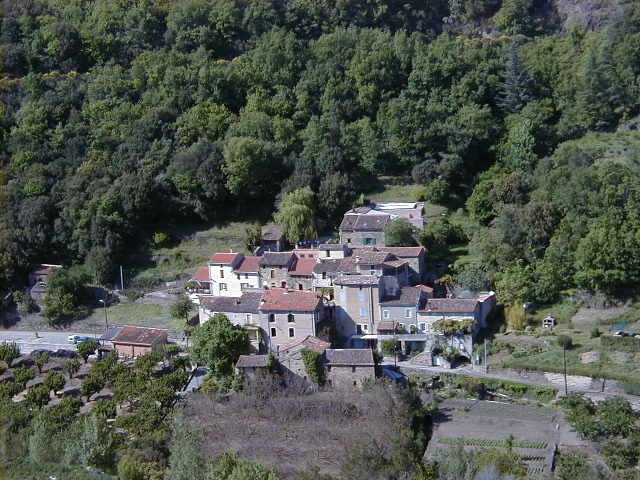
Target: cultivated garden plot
[(530, 431)]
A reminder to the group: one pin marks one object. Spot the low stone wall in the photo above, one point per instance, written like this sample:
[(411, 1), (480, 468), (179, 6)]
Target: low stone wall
[(556, 380)]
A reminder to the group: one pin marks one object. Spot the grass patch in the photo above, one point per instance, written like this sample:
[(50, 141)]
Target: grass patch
[(397, 193), (141, 315), (478, 387), (192, 250), (563, 310)]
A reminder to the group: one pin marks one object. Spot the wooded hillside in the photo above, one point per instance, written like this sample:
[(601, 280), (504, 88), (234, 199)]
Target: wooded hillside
[(119, 118)]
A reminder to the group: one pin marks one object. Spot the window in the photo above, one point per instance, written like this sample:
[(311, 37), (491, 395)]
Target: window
[(248, 318), (272, 318), (299, 286), (423, 327), (273, 332), (400, 326), (353, 369), (244, 286), (238, 276), (223, 286), (327, 253), (408, 312), (291, 318), (328, 370), (221, 273), (246, 275), (324, 275), (283, 284), (365, 327), (292, 332), (358, 329), (348, 240), (272, 274), (385, 314)]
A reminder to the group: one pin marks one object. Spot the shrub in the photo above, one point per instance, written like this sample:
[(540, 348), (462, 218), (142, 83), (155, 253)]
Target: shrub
[(313, 365), (160, 239), (565, 341), (595, 332), (389, 347), (437, 191), (23, 375), (9, 352)]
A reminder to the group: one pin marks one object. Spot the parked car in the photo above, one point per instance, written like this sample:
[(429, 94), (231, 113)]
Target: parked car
[(78, 339)]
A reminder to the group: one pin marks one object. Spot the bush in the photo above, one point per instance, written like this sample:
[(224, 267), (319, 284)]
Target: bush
[(595, 333), (565, 341), (160, 239), (437, 191), (9, 352), (628, 344), (313, 365), (389, 347)]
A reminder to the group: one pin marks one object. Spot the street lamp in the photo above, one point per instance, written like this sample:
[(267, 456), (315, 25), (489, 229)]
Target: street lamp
[(106, 320)]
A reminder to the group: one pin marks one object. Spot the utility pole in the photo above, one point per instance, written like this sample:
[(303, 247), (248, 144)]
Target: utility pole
[(121, 279), (106, 318), (486, 367), (564, 359)]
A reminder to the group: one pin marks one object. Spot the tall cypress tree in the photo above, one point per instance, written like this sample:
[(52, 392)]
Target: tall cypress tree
[(516, 85)]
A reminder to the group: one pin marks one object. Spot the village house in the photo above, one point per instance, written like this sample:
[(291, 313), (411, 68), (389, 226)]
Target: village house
[(416, 258), (222, 278), (360, 229), (351, 368), (365, 225), (274, 269), (131, 342), (254, 366), (290, 354), (287, 315), (324, 273), (272, 239), (242, 310), (41, 273), (300, 275)]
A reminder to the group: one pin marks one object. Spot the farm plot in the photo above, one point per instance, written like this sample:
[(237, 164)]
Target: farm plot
[(532, 432)]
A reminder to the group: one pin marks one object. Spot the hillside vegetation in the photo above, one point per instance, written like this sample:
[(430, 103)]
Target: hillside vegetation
[(124, 119)]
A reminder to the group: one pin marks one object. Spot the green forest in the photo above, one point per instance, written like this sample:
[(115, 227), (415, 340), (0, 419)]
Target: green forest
[(120, 118)]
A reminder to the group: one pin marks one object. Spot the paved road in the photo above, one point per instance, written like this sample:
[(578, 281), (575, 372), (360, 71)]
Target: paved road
[(28, 341), (45, 340)]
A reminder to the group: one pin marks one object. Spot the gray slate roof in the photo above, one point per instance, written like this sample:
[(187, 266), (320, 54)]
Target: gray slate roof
[(357, 280), (276, 259), (407, 296), (364, 223), (249, 302), (253, 361), (349, 356), (328, 266)]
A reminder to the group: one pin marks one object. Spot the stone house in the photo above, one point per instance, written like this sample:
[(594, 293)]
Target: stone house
[(301, 273), (401, 310), (290, 354), (254, 366), (347, 369), (324, 273), (131, 342), (272, 239), (288, 315), (242, 310), (363, 229), (274, 269)]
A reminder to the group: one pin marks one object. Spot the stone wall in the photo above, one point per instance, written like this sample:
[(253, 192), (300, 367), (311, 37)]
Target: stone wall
[(349, 377)]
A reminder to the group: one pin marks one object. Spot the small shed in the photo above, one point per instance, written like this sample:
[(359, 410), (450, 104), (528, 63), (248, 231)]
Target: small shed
[(252, 366), (549, 322), (131, 342), (272, 239), (349, 368)]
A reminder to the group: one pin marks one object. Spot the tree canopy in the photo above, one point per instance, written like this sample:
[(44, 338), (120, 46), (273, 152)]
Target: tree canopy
[(218, 343)]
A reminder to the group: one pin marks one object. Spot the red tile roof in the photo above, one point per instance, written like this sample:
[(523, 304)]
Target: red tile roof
[(249, 264), (283, 300), (224, 258), (310, 342), (303, 267), (202, 274), (139, 336)]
